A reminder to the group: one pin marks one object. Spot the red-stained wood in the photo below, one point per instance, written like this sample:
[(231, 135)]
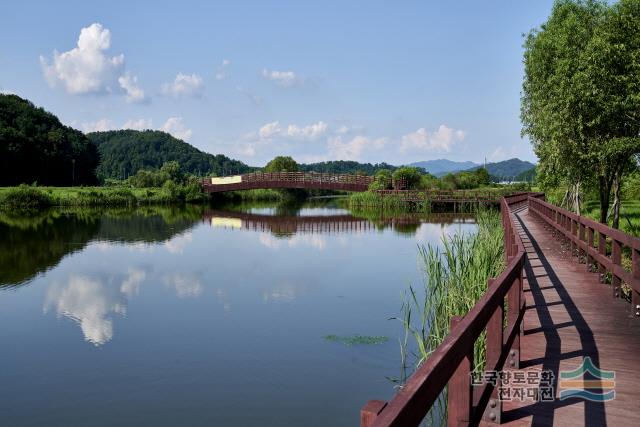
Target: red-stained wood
[(418, 394), (569, 318), (571, 315), (459, 390), (370, 412)]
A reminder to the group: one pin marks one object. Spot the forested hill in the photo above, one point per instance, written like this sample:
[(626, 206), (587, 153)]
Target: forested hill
[(345, 166), (507, 169), (124, 152), (36, 147)]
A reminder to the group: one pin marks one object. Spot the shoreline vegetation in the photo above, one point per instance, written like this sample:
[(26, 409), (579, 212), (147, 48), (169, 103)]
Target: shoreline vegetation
[(455, 277), (34, 197)]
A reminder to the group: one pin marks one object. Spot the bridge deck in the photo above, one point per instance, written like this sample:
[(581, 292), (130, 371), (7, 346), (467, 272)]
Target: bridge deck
[(570, 315)]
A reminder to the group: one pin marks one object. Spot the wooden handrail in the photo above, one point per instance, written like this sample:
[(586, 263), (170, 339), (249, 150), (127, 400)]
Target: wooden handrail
[(449, 362), (581, 232)]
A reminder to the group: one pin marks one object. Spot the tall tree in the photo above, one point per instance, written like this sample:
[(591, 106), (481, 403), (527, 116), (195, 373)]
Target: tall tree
[(581, 95), (282, 164)]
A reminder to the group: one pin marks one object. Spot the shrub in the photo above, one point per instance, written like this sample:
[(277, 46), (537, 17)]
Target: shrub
[(25, 197)]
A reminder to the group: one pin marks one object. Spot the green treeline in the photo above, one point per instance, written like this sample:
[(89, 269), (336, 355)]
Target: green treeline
[(36, 147), (124, 152), (346, 167)]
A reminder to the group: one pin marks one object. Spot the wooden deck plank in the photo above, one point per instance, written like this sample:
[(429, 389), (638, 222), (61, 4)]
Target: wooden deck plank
[(571, 315)]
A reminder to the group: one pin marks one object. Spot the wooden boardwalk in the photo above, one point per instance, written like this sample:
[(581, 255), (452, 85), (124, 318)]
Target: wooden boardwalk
[(570, 315)]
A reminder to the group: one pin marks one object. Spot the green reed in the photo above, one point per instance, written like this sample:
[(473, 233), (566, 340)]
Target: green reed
[(455, 277)]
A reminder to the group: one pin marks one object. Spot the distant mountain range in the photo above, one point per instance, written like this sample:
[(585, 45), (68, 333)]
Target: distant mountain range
[(441, 167), (506, 170)]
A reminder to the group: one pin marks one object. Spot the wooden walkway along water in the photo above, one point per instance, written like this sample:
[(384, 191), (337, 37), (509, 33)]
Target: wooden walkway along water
[(558, 314), (570, 315)]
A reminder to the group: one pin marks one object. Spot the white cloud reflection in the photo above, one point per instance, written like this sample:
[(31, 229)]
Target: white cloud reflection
[(186, 285), (92, 303), (177, 244)]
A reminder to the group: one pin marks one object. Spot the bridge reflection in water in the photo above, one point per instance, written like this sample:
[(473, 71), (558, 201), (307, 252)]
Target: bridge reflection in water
[(310, 224)]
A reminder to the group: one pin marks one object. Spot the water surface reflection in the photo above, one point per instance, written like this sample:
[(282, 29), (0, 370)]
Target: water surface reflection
[(202, 316)]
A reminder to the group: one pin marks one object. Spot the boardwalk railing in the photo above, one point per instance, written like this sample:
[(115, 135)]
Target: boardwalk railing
[(451, 363), (598, 245), (481, 196)]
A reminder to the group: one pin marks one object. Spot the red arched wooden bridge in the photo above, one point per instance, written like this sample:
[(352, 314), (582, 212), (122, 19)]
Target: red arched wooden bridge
[(550, 316), (306, 180)]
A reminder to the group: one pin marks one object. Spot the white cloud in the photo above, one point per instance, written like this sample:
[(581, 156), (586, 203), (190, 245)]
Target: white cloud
[(129, 83), (340, 149), (312, 131), (85, 68), (184, 85), (176, 127), (223, 70), (270, 130), (138, 124), (440, 140), (282, 78), (292, 131), (101, 125), (343, 129)]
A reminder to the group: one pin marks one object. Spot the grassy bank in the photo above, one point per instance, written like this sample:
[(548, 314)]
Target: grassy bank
[(394, 202), (455, 277), (30, 197), (256, 195)]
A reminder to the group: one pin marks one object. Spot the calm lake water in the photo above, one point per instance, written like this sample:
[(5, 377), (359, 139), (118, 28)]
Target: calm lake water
[(202, 317)]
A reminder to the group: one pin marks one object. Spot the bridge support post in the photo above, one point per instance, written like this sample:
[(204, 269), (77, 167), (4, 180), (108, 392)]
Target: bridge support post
[(459, 392)]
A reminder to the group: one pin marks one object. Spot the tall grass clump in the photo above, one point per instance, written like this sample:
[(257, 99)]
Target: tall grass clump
[(455, 277), (392, 202), (24, 197)]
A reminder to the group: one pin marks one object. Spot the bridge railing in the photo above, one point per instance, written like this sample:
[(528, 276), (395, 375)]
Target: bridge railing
[(307, 177), (451, 363), (598, 245)]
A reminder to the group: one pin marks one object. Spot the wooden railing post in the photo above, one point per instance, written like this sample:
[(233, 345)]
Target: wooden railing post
[(459, 392), (370, 412), (635, 267), (616, 259), (582, 238), (573, 236), (602, 250), (514, 301), (590, 246), (495, 337)]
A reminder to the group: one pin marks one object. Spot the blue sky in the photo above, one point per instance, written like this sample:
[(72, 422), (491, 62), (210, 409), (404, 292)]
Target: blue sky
[(360, 80)]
